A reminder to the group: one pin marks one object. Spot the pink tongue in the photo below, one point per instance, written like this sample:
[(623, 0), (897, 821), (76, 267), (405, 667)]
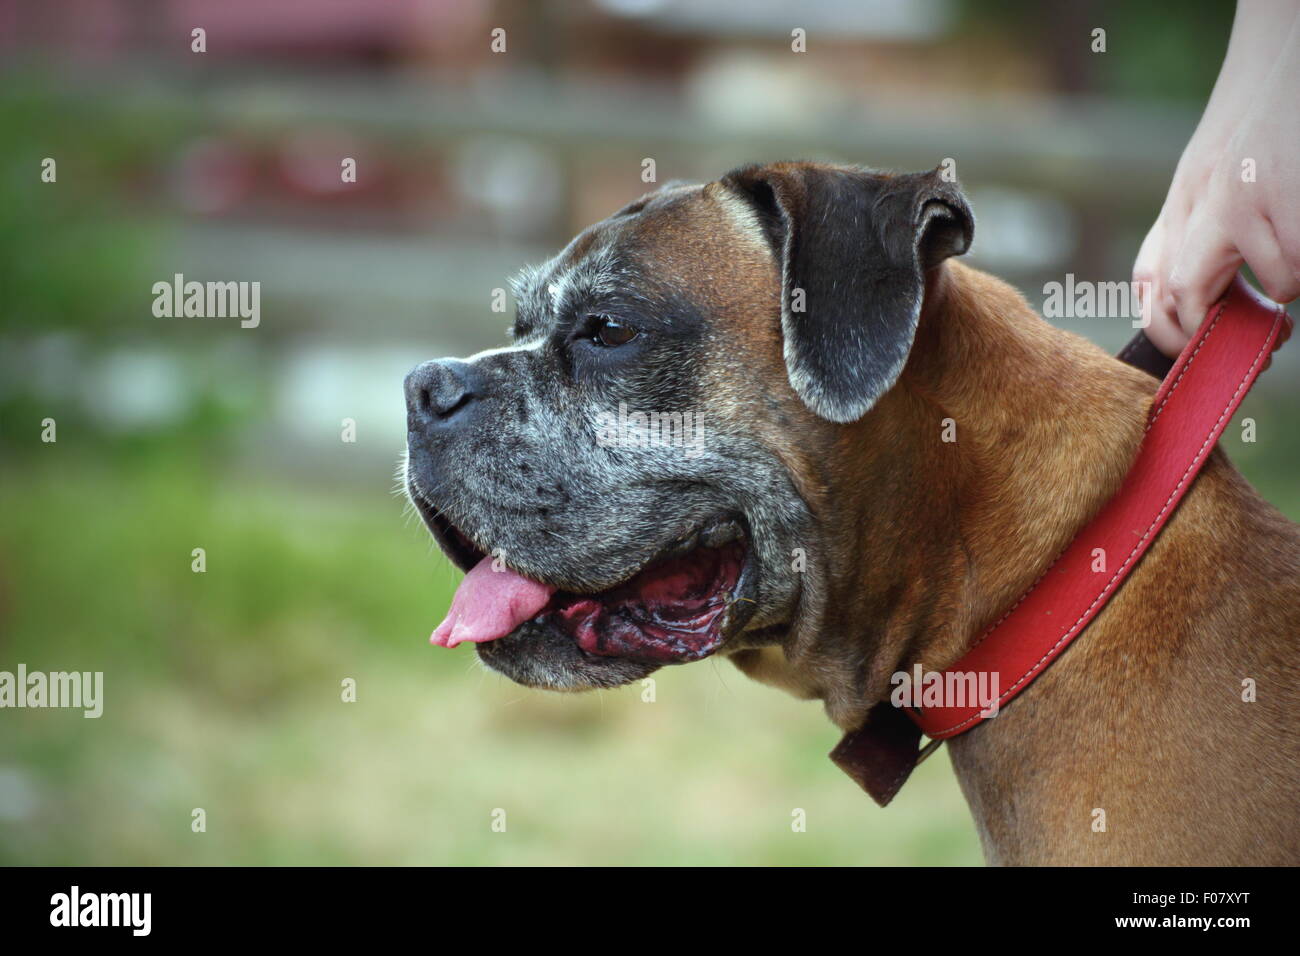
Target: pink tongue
[(490, 604)]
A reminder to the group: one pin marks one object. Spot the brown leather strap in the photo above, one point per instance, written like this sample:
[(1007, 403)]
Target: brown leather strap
[(1140, 353)]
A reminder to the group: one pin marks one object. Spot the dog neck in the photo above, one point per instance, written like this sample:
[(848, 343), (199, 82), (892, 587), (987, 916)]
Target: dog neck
[(925, 542), (1002, 438)]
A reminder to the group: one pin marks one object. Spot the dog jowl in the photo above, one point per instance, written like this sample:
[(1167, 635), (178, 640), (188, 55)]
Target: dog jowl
[(771, 310)]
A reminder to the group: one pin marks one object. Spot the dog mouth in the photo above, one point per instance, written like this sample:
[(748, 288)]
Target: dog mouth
[(680, 606)]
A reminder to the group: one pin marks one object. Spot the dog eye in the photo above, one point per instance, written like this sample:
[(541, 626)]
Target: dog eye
[(611, 333)]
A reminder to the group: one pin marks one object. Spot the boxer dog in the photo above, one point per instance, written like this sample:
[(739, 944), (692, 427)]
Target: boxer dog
[(821, 533)]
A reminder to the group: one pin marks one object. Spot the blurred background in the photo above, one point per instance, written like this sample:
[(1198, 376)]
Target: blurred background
[(223, 688)]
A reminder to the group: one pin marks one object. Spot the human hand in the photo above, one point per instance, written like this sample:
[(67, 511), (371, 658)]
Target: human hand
[(1235, 196)]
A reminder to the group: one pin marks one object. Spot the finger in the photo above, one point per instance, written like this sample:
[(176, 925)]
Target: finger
[(1260, 248), (1162, 326), (1149, 253), (1163, 329), (1158, 318), (1202, 270), (1145, 271)]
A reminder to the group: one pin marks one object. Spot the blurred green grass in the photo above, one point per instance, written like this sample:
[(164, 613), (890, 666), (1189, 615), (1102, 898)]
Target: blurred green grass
[(223, 691)]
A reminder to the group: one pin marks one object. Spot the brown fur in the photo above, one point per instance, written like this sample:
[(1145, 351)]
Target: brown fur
[(922, 543), (918, 544)]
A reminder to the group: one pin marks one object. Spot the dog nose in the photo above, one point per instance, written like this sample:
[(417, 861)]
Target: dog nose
[(439, 392)]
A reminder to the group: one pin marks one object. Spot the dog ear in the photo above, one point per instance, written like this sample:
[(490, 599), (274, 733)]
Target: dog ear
[(854, 248)]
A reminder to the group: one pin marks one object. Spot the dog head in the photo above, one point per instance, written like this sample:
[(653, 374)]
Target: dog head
[(634, 481)]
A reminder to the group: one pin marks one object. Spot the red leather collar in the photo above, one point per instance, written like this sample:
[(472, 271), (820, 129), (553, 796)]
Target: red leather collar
[(1188, 414)]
